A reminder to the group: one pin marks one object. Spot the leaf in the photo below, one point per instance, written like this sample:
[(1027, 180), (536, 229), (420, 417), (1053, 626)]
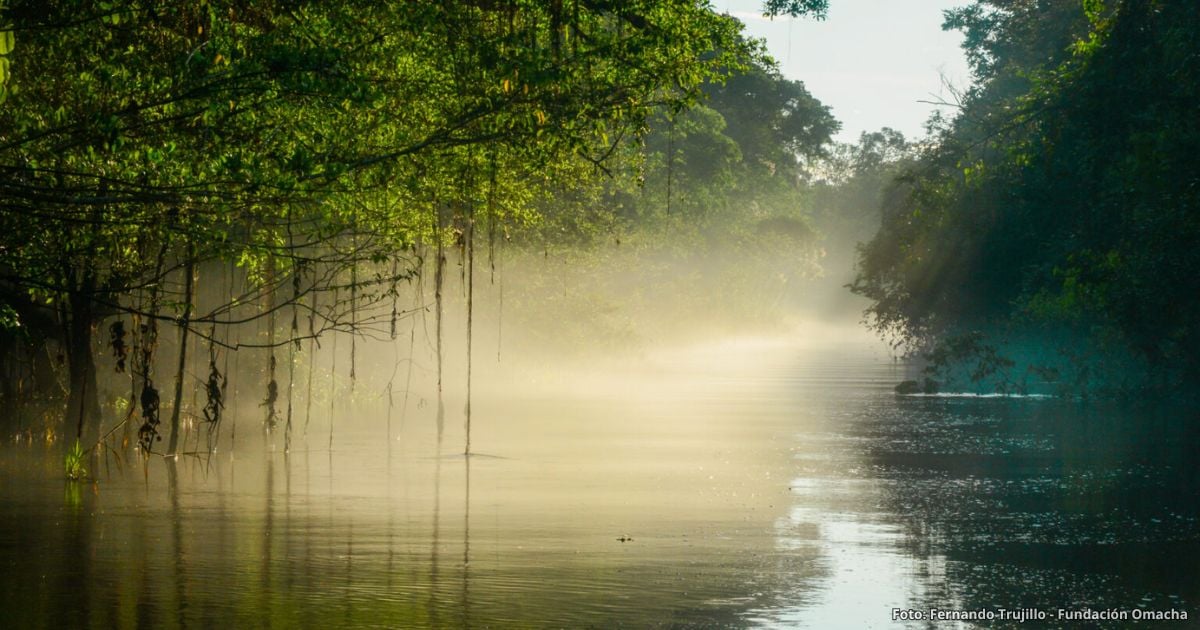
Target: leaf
[(7, 41)]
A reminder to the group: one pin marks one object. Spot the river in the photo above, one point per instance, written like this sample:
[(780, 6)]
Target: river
[(749, 483)]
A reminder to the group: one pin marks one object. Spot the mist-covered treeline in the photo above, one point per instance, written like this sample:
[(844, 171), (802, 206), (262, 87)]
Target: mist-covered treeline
[(185, 183), (708, 221), (1047, 235)]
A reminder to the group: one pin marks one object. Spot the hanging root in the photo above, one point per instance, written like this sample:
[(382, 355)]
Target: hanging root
[(272, 398), (116, 332), (148, 433), (395, 296), (214, 390)]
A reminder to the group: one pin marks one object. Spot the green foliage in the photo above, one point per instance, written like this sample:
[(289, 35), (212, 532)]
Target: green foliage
[(794, 8), (314, 140), (776, 122), (74, 463), (851, 182), (985, 365), (736, 160), (704, 222), (1063, 197), (8, 41), (10, 320)]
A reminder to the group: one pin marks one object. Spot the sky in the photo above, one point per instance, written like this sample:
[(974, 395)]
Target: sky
[(872, 61)]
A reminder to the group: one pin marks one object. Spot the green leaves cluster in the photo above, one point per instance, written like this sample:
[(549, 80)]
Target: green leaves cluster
[(1060, 205), (309, 138), (216, 120), (8, 41), (73, 463)]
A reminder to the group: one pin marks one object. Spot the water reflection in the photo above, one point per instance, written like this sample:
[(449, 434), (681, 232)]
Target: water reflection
[(759, 486), (1061, 504), (176, 520), (987, 504), (466, 561), (436, 540)]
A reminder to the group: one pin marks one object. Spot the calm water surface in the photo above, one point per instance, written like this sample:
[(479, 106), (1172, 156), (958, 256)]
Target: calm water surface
[(753, 483)]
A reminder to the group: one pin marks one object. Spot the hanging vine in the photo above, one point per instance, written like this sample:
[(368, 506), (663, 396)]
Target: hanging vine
[(117, 334), (237, 340), (134, 372), (149, 398), (494, 253), (214, 392), (670, 159), (189, 281), (272, 418), (148, 433), (333, 369), (354, 298), (272, 398), (438, 281), (470, 247), (294, 331), (392, 290), (295, 345), (312, 358)]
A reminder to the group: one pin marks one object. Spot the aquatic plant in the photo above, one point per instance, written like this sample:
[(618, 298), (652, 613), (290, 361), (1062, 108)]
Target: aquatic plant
[(73, 463)]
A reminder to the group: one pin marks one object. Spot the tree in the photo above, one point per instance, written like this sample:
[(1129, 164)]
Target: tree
[(301, 143), (1051, 214)]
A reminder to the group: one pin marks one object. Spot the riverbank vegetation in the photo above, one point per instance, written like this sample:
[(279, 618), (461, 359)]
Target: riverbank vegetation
[(197, 195), (1045, 239), (229, 208)]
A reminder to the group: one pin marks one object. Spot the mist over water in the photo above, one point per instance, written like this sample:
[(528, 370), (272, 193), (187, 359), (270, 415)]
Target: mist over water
[(758, 480), (658, 437), (524, 315)]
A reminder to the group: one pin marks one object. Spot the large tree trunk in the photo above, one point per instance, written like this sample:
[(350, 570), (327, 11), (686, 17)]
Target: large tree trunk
[(83, 403)]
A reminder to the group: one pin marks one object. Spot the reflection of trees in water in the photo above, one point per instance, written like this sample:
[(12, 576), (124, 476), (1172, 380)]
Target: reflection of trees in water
[(1043, 503), (466, 563), (177, 541), (334, 560), (248, 560), (434, 580), (267, 531)]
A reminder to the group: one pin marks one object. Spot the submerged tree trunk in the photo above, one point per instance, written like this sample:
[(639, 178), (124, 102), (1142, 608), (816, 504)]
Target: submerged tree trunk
[(83, 403), (189, 275)]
